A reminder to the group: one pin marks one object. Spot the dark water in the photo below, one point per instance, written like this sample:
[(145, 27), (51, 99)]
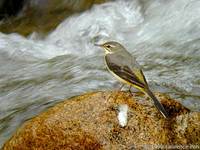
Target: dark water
[(36, 73)]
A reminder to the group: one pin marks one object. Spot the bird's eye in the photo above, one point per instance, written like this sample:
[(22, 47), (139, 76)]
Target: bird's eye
[(108, 46)]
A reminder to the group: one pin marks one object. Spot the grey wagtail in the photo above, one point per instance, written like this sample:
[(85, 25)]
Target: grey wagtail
[(126, 69)]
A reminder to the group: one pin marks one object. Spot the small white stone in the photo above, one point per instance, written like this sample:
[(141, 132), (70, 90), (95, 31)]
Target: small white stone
[(123, 115)]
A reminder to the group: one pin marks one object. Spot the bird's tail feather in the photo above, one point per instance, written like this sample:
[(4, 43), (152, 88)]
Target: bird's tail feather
[(158, 105)]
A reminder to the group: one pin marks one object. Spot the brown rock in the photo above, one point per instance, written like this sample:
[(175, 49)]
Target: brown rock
[(90, 121)]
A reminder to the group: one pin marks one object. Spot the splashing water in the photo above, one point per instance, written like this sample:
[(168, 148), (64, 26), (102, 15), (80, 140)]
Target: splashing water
[(36, 73)]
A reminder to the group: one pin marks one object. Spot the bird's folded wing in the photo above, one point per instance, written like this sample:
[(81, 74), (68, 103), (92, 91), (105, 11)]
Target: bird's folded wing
[(126, 73)]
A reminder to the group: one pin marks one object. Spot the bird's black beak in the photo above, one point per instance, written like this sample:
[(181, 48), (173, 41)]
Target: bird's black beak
[(99, 45)]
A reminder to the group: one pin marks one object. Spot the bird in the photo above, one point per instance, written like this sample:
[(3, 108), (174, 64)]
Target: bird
[(123, 65)]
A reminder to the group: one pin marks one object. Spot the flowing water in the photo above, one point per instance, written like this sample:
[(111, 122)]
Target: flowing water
[(36, 73)]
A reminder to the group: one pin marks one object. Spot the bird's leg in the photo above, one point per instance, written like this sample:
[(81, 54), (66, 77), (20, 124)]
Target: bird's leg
[(115, 104), (120, 87), (118, 90), (130, 90)]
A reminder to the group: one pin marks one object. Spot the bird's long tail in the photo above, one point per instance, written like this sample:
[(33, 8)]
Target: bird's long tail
[(158, 105)]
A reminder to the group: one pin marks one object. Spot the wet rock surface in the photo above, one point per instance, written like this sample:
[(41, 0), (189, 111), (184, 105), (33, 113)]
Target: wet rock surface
[(40, 16), (10, 7), (90, 121)]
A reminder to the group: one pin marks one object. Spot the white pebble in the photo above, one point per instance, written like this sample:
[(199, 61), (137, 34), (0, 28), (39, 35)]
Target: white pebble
[(122, 115)]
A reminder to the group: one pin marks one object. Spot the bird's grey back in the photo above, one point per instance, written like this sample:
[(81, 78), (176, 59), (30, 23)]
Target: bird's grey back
[(123, 58)]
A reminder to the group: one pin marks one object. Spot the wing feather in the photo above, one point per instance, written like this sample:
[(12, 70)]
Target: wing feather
[(125, 73)]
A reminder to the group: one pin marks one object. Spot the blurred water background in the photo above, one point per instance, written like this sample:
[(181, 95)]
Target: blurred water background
[(41, 65)]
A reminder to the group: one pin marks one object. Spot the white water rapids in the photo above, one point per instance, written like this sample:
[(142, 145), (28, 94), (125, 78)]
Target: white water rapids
[(164, 35)]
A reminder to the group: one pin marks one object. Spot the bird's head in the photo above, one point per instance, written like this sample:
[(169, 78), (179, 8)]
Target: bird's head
[(111, 47)]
